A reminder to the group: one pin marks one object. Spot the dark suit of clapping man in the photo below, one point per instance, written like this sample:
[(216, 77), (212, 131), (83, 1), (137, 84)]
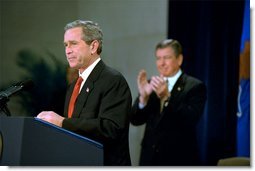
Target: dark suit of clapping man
[(102, 108), (170, 104)]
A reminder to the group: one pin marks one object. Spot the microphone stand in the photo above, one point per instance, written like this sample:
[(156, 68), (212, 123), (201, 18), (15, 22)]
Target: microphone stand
[(4, 95), (3, 106)]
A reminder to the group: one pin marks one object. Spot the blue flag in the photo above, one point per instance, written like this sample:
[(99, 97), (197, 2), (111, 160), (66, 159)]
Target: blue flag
[(243, 114)]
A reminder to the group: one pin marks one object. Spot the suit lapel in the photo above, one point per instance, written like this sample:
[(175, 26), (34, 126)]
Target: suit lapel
[(177, 89), (82, 98), (87, 89)]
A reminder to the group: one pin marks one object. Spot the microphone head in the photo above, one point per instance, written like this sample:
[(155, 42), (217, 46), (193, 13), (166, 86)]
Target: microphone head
[(27, 84)]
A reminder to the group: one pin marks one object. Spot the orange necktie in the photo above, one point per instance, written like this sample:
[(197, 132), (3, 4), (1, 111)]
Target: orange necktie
[(74, 96)]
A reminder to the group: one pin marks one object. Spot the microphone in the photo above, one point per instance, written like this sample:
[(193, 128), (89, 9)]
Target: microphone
[(24, 85)]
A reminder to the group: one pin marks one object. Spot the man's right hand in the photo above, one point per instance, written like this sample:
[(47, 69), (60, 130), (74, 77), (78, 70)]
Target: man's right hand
[(144, 88)]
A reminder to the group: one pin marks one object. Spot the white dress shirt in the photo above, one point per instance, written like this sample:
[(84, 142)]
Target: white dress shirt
[(172, 80), (87, 72)]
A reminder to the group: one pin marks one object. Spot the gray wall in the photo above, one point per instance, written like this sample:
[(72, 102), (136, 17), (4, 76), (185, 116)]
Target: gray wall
[(131, 29)]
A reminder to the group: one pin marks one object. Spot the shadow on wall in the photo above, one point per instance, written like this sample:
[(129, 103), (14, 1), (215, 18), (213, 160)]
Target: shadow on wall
[(50, 82)]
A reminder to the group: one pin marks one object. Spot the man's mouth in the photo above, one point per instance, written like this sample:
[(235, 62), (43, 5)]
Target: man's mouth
[(71, 58)]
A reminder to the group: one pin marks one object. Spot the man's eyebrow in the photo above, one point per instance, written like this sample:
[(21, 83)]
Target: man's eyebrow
[(70, 41)]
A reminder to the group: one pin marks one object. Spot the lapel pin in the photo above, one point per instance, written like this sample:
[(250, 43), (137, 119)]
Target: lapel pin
[(179, 88), (87, 90), (166, 104)]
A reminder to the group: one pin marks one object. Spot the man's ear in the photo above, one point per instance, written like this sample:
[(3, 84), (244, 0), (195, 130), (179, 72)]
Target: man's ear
[(180, 59), (94, 46)]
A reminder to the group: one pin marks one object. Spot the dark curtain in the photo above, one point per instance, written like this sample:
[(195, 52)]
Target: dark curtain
[(210, 32)]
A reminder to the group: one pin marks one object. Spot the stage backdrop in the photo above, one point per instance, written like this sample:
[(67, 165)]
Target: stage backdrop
[(210, 32)]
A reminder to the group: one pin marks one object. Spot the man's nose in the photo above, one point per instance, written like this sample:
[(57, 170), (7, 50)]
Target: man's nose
[(68, 50), (162, 62)]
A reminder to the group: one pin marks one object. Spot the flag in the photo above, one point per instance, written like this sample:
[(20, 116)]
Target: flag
[(243, 113)]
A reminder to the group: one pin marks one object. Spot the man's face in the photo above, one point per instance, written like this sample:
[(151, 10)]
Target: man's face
[(167, 62), (78, 53)]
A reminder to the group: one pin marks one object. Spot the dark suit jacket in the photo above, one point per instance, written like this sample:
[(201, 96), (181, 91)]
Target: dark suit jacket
[(170, 136), (102, 113)]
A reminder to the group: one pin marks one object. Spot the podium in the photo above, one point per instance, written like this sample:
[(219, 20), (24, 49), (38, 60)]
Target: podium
[(31, 141)]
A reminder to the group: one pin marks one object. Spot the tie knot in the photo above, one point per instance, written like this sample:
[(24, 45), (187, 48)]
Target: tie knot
[(166, 80), (167, 84), (79, 81)]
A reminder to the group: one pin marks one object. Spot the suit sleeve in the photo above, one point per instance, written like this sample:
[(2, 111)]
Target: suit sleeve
[(140, 116), (137, 115)]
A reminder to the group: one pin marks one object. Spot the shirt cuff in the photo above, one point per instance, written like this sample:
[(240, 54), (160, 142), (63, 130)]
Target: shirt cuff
[(141, 106)]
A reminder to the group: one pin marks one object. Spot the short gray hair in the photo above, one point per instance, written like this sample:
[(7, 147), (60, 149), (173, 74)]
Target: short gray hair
[(91, 31), (170, 43)]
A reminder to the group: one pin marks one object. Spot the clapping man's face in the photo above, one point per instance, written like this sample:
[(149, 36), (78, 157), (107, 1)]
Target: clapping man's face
[(167, 62)]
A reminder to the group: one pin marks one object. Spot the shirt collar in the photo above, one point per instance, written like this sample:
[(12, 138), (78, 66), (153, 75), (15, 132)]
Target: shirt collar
[(172, 80), (87, 71)]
